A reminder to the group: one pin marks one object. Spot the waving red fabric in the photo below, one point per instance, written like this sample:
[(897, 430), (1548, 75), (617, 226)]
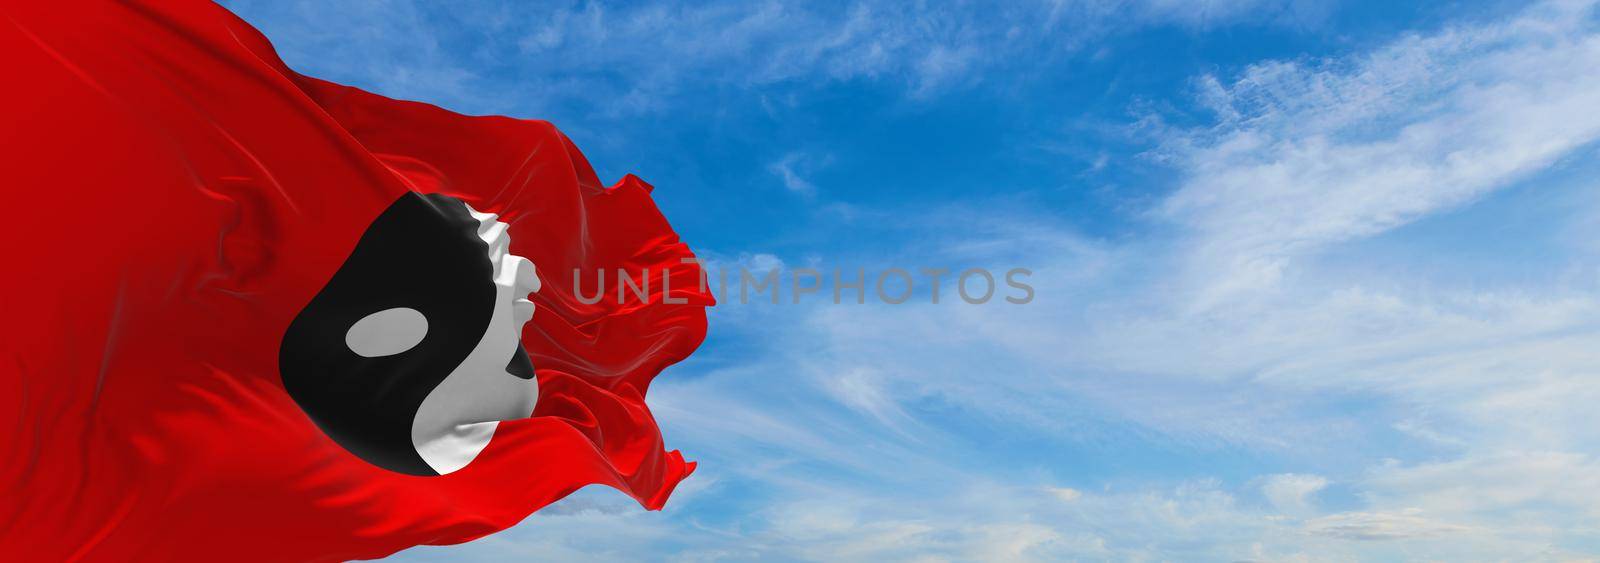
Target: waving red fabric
[(175, 196)]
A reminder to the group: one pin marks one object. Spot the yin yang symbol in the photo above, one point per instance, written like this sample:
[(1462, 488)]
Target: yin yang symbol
[(410, 356)]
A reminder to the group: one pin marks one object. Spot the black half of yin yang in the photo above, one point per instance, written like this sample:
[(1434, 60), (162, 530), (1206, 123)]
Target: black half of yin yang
[(420, 276)]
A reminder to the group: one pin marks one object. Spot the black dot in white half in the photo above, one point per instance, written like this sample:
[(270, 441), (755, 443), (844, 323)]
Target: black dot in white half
[(411, 355)]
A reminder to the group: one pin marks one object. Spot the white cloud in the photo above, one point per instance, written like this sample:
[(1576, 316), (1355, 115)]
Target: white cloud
[(1309, 153), (1190, 14), (1292, 493), (786, 170), (614, 60), (1304, 159), (1066, 494), (1365, 526), (1560, 487)]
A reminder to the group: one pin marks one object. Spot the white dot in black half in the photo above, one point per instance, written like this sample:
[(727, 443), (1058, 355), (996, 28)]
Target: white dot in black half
[(387, 332), (411, 355)]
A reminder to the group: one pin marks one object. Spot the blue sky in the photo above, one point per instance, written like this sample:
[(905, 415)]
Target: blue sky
[(1315, 280)]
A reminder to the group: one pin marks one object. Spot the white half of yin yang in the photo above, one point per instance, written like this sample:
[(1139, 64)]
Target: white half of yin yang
[(458, 418)]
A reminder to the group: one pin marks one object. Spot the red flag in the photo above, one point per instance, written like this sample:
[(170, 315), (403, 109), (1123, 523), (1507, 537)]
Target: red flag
[(254, 315)]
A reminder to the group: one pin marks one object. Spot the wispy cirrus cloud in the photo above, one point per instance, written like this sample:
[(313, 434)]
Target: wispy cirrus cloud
[(1380, 526), (1292, 492), (1480, 392), (1314, 152), (612, 59), (789, 169)]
